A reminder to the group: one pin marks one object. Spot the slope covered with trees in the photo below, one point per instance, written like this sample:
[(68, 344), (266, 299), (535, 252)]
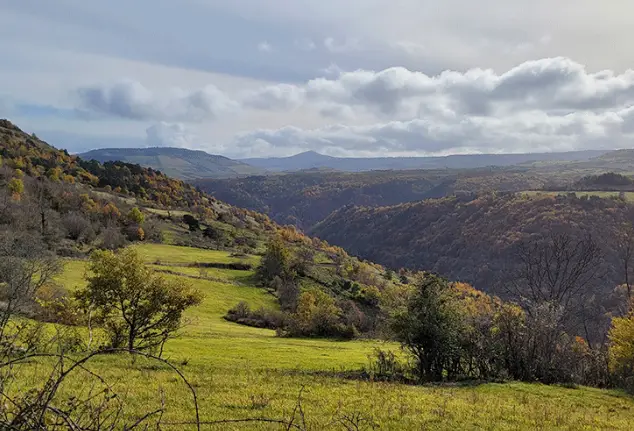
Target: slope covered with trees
[(70, 207), (176, 162), (303, 199), (129, 302), (476, 239)]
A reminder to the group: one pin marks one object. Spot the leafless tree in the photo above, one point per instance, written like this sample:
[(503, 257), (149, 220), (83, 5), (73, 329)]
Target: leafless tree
[(625, 250), (557, 271), (25, 266)]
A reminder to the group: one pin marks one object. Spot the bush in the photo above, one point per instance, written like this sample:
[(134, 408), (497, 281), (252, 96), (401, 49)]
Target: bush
[(385, 366), (260, 318), (112, 239), (78, 227)]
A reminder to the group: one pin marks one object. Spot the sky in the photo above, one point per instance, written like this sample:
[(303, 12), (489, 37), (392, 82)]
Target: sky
[(258, 78)]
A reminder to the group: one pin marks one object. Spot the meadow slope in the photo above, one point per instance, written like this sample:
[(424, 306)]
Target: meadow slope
[(242, 372)]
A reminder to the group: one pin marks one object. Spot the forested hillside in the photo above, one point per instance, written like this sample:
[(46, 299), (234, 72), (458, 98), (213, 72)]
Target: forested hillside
[(112, 260), (304, 199), (476, 239), (65, 206), (176, 162)]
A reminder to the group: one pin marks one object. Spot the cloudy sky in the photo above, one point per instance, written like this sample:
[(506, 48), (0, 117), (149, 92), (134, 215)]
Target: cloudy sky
[(248, 78)]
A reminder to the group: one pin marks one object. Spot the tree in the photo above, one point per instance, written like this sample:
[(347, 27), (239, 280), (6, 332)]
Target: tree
[(25, 266), (558, 271), (136, 216), (429, 328), (16, 186), (134, 303), (621, 349), (303, 260), (317, 313), (625, 249), (276, 262), (192, 222)]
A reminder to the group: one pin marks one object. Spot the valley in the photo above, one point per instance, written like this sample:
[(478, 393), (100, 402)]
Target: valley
[(281, 329)]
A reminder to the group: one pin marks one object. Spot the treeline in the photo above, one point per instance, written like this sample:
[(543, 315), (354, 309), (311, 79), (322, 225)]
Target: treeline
[(473, 239), (452, 332), (609, 181)]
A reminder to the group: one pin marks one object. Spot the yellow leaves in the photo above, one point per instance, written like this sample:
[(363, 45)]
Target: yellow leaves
[(136, 216), (54, 174), (621, 338), (88, 205), (16, 187)]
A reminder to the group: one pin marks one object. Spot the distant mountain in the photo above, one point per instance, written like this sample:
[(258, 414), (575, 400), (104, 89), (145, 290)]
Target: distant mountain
[(312, 159), (176, 162), (306, 160)]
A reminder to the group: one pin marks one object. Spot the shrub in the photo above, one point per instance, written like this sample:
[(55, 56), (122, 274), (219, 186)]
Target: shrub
[(77, 227), (259, 318), (112, 239)]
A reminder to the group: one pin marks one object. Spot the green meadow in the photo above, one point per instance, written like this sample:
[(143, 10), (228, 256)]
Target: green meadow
[(241, 372)]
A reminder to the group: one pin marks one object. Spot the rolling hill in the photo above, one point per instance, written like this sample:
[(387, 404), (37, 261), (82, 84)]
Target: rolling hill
[(305, 198), (176, 162), (475, 238), (244, 373), (312, 159)]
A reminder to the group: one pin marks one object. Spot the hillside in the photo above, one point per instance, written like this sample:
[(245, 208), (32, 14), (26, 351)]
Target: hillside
[(304, 199), (241, 372), (475, 239), (176, 162), (74, 207), (312, 159), (284, 329)]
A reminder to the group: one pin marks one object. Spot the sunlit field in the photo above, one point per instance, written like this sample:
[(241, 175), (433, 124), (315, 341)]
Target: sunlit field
[(242, 372)]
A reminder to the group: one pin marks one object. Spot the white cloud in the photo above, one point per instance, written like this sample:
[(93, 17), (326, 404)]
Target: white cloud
[(527, 132), (281, 96), (169, 135), (265, 47), (550, 104), (342, 46), (550, 84), (131, 100)]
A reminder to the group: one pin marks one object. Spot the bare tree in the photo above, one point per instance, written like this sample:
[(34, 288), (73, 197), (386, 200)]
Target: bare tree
[(25, 266), (558, 270), (625, 250)]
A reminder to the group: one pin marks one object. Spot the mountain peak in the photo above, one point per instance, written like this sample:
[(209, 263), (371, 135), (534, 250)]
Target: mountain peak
[(310, 154)]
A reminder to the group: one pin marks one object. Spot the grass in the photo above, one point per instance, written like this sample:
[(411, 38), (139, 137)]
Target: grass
[(166, 213), (242, 372), (170, 254)]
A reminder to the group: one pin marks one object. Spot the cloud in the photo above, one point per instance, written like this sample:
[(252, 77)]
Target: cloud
[(550, 84), (526, 132), (169, 135), (278, 97), (344, 46), (131, 100), (265, 47), (551, 104)]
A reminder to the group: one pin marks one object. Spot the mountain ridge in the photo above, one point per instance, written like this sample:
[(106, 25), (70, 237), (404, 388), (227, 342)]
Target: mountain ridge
[(176, 162), (313, 159)]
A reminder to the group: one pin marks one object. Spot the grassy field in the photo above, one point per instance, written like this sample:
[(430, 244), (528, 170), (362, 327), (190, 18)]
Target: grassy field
[(242, 372)]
